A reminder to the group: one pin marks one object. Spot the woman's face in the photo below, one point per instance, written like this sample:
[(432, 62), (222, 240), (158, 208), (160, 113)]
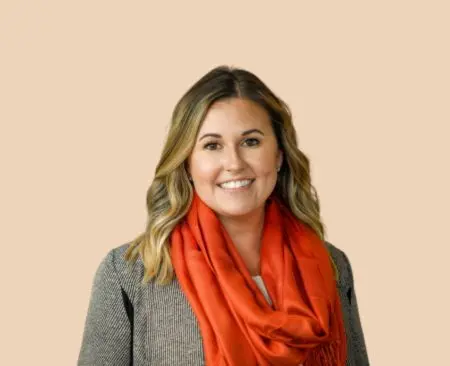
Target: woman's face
[(236, 142)]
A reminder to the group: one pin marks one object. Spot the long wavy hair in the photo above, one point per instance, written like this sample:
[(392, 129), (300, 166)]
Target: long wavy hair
[(170, 194)]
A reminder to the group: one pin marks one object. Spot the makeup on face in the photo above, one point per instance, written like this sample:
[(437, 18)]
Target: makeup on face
[(233, 164)]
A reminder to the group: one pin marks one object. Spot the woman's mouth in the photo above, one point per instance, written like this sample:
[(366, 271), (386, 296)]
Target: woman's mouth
[(237, 185)]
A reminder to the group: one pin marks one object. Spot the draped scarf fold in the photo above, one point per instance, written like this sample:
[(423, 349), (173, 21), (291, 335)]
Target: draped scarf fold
[(304, 324)]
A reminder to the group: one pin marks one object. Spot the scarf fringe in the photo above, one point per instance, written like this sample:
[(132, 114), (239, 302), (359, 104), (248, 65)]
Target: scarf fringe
[(324, 355)]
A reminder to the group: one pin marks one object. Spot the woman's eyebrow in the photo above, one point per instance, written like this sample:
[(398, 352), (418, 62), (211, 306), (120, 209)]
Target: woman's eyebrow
[(246, 132)]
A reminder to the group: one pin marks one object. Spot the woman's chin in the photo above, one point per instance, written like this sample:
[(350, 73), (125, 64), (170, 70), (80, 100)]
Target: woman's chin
[(237, 210)]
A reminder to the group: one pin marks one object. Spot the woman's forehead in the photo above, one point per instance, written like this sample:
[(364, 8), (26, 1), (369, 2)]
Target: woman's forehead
[(235, 114)]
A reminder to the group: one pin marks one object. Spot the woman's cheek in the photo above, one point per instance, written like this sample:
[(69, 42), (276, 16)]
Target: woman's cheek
[(208, 169)]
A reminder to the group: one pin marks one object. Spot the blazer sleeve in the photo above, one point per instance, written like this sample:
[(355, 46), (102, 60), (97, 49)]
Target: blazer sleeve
[(107, 332), (354, 330)]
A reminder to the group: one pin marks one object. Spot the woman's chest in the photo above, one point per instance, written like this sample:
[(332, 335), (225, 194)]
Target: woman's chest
[(166, 330), (173, 331)]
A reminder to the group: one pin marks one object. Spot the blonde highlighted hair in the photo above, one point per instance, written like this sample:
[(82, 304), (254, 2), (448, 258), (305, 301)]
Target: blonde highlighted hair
[(170, 194)]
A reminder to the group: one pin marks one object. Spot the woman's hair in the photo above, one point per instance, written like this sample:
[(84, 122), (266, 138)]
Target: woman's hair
[(170, 194)]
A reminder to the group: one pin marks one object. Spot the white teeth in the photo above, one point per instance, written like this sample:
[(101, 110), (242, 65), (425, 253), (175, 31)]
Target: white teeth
[(236, 183)]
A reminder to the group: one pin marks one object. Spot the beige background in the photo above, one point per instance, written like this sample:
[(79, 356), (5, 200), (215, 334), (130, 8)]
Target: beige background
[(86, 92)]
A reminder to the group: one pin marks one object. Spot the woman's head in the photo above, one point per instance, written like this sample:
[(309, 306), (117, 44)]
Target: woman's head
[(252, 137), (235, 158)]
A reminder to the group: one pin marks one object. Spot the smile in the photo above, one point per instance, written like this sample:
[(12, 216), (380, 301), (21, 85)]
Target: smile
[(237, 185)]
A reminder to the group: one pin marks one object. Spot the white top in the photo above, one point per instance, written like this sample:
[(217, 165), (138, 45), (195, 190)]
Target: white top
[(259, 281)]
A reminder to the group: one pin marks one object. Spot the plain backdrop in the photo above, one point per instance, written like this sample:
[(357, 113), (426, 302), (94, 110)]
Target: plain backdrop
[(86, 93)]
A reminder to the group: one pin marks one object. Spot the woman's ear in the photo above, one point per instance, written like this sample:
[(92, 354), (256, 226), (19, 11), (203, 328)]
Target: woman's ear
[(188, 170), (280, 159)]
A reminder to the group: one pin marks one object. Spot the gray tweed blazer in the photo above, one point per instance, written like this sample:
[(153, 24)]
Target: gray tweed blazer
[(128, 323)]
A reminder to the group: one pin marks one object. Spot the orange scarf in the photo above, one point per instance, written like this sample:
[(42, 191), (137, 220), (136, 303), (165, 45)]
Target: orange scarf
[(237, 324)]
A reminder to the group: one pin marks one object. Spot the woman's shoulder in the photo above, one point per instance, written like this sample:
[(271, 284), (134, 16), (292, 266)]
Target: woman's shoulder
[(342, 262), (115, 266), (129, 275), (115, 257)]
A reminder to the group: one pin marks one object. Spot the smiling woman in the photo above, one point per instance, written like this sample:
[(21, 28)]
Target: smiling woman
[(233, 170), (233, 267)]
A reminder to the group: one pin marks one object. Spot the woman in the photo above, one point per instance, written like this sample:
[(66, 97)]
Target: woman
[(233, 268)]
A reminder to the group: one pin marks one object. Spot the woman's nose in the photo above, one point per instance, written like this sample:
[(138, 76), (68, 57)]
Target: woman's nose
[(232, 160)]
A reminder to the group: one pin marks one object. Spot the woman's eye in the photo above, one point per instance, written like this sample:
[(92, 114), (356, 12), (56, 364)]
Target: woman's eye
[(248, 142), (210, 146), (253, 142)]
